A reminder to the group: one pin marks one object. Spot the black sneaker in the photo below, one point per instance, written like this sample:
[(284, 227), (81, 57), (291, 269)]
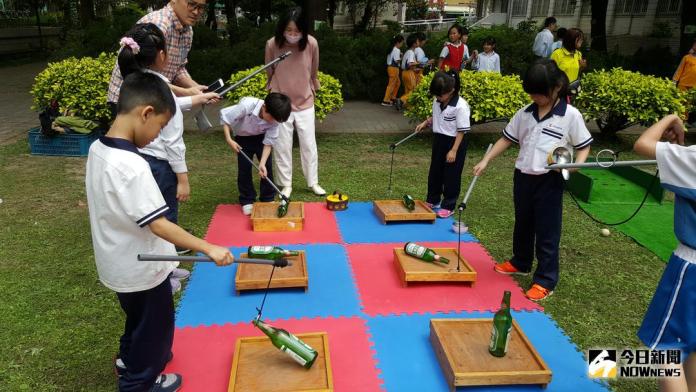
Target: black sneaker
[(170, 382), (120, 367), (398, 104)]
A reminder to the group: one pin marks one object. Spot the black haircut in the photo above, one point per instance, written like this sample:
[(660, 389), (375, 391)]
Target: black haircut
[(570, 37), (411, 40), (296, 15), (549, 21), (150, 39), (489, 41), (543, 76), (560, 33), (444, 82), (278, 106), (393, 41), (421, 36), (145, 89)]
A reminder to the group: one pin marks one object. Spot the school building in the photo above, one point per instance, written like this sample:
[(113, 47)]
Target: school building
[(630, 23)]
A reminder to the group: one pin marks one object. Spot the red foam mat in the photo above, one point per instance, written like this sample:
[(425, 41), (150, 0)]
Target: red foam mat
[(230, 227), (203, 355), (382, 292)]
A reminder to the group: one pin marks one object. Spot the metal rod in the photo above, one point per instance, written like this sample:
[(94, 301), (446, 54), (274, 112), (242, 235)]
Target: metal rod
[(600, 165), (203, 258), (282, 196), (251, 75), (473, 182), (395, 145), (391, 170)]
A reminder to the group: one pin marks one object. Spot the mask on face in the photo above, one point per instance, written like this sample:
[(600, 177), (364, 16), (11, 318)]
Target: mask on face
[(292, 39)]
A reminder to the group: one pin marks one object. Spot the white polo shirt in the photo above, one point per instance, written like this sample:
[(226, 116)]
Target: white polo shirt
[(542, 43), (678, 174), (562, 126), (169, 145), (394, 57), (409, 57), (487, 62), (244, 120), (123, 199), (450, 118)]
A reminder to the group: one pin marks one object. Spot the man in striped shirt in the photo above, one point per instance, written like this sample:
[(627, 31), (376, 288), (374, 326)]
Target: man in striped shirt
[(175, 21)]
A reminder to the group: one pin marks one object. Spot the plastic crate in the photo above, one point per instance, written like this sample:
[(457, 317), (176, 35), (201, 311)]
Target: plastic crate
[(69, 144)]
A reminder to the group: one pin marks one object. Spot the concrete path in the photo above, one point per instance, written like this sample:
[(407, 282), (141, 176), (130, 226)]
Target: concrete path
[(16, 117)]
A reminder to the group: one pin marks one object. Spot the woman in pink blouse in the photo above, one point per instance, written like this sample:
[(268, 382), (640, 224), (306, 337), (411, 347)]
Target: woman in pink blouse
[(295, 77)]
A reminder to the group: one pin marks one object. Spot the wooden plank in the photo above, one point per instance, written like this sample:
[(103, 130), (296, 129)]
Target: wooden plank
[(259, 366), (264, 217), (411, 269), (461, 346), (394, 211), (255, 276)]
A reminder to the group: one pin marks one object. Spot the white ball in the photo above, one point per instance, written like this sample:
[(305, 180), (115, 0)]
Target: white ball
[(605, 232)]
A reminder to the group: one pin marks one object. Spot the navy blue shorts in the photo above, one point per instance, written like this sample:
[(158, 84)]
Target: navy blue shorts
[(670, 321)]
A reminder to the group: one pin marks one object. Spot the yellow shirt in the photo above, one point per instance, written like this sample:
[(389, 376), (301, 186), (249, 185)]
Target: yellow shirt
[(686, 73), (568, 62)]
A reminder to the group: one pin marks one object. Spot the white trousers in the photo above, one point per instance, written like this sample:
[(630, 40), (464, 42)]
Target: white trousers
[(303, 122)]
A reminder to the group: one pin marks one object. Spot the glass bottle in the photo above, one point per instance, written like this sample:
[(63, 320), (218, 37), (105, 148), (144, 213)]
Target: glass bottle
[(502, 326), (409, 203), (289, 344), (269, 252), (423, 253)]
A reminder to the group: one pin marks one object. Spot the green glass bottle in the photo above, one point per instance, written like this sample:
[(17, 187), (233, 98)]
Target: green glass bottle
[(283, 208), (269, 252), (423, 253), (289, 344), (502, 326), (409, 203)]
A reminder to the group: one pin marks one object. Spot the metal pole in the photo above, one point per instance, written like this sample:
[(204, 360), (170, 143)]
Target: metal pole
[(600, 165), (277, 263), (282, 196)]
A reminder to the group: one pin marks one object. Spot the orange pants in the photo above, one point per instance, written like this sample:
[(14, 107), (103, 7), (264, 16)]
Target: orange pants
[(409, 79), (394, 84)]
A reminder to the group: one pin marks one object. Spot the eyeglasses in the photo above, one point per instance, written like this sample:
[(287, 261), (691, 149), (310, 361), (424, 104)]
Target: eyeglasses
[(194, 6)]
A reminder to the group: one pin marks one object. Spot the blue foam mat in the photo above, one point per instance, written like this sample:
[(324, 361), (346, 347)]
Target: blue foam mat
[(359, 224), (408, 362), (210, 297)]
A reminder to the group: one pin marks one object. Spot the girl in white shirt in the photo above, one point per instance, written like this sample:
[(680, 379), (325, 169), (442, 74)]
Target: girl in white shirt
[(393, 63), (489, 60)]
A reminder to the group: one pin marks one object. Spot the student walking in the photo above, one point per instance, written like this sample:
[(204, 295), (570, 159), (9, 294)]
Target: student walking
[(393, 66)]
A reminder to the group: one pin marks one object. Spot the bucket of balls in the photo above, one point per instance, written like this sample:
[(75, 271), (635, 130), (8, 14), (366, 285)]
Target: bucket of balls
[(336, 201)]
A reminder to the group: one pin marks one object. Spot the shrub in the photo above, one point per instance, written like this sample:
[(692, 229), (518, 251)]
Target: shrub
[(619, 98), (328, 98), (490, 96), (78, 85)]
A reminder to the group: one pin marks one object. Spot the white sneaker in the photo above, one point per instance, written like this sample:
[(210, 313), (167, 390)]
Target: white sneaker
[(286, 191), (180, 273), (247, 209), (319, 191)]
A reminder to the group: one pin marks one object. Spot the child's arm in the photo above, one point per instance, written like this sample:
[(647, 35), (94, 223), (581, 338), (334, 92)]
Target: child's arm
[(443, 54), (428, 122), (497, 64), (183, 189), (228, 137), (670, 128), (678, 73), (205, 98), (262, 162), (169, 231), (500, 146), (452, 154)]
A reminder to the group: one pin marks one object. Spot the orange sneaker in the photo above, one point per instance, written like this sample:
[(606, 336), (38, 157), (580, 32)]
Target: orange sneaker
[(507, 268), (537, 293)]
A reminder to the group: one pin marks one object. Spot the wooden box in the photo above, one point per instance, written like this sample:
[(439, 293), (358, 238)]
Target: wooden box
[(255, 276), (461, 346), (264, 217), (259, 366), (411, 269), (394, 211)]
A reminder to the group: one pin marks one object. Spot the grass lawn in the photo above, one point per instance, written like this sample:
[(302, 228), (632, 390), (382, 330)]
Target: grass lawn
[(60, 326)]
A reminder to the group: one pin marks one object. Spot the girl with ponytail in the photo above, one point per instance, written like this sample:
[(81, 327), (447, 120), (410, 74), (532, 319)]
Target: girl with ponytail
[(450, 123), (143, 49)]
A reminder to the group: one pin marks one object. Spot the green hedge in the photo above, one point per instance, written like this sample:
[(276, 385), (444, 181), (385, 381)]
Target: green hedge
[(618, 98), (490, 96), (79, 85), (328, 98)]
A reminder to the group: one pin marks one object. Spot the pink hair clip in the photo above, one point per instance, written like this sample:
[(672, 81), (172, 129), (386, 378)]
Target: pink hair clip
[(130, 42)]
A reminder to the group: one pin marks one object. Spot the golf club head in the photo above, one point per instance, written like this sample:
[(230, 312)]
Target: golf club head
[(202, 121), (561, 155)]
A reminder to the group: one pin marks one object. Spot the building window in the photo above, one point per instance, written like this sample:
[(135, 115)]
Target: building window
[(565, 7), (503, 6), (631, 7), (668, 7), (540, 7), (519, 8)]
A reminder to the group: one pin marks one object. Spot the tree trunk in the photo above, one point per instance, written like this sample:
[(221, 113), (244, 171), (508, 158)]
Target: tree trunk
[(86, 12), (367, 17), (598, 25), (331, 11), (688, 17), (211, 20), (231, 13)]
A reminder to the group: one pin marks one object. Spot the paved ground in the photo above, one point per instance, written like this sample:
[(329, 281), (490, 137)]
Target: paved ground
[(16, 117)]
